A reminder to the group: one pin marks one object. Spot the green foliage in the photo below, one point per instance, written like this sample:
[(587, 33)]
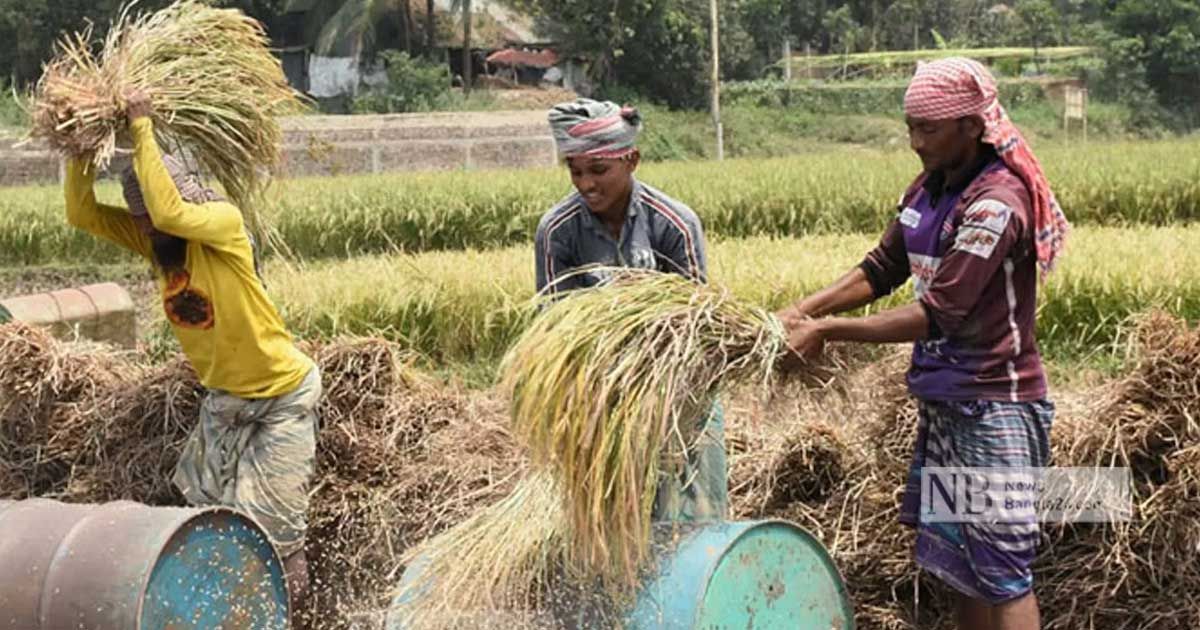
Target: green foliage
[(1123, 80), (413, 85), (1039, 20), (830, 191), (755, 131), (659, 48), (898, 64), (29, 28), (1159, 43), (877, 97), (11, 113)]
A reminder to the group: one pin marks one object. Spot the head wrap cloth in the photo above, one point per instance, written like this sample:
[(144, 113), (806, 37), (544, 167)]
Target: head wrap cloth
[(957, 87), (190, 187), (601, 129)]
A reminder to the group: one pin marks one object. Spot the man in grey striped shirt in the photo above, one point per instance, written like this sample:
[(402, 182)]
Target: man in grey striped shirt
[(612, 219), (616, 221)]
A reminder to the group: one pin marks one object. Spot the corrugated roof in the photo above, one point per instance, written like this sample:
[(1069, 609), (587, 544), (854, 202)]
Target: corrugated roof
[(529, 58)]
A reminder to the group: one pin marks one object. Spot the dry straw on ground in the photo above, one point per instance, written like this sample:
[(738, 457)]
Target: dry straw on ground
[(400, 457), (403, 458)]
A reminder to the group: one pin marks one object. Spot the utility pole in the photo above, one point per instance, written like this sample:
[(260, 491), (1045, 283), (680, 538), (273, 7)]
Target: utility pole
[(716, 79), (466, 47), (787, 58)]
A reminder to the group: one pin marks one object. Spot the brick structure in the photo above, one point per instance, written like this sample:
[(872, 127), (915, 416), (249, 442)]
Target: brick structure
[(345, 145)]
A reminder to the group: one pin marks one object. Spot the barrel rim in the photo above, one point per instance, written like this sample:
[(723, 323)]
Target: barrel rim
[(748, 526), (207, 510)]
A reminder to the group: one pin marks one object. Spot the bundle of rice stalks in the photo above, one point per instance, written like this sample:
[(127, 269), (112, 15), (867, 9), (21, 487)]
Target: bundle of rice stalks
[(606, 389), (214, 85), (498, 561)]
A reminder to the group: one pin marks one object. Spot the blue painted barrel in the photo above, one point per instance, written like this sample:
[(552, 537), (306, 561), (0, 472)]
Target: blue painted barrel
[(126, 566), (753, 574)]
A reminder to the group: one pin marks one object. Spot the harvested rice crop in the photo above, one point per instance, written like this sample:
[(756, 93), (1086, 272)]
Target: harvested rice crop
[(214, 85), (401, 460), (499, 561), (86, 425), (606, 387)]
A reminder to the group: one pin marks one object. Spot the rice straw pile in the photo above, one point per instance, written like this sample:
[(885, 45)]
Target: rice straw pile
[(400, 457), (1123, 576), (215, 90), (403, 459), (1139, 574)]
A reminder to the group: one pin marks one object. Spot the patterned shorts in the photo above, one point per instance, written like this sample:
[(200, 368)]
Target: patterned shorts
[(986, 561)]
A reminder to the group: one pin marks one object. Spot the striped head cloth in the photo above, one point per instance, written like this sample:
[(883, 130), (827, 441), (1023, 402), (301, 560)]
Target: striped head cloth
[(188, 183), (584, 127), (957, 87)]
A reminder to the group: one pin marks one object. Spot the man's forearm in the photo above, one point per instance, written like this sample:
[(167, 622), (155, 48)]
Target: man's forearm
[(849, 292), (897, 325)]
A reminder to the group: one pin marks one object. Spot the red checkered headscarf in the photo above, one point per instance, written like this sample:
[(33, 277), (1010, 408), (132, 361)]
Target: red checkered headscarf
[(957, 87), (599, 129)]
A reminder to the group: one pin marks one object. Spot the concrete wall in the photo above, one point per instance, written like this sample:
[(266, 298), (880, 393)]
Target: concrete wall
[(339, 145), (27, 165), (100, 312)]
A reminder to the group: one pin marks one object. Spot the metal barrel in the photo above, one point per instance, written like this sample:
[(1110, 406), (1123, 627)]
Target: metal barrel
[(127, 566), (752, 574)]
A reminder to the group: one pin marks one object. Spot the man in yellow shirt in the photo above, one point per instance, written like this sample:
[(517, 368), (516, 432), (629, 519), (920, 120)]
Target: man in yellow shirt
[(254, 447)]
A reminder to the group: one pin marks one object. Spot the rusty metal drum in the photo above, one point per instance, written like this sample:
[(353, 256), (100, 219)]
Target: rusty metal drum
[(127, 566)]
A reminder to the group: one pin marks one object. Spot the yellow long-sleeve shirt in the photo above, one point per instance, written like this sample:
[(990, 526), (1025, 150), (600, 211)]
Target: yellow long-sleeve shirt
[(227, 326)]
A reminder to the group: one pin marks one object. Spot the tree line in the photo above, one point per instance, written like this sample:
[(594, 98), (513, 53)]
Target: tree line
[(1149, 50)]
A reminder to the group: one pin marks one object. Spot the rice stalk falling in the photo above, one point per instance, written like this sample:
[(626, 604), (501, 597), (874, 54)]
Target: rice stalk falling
[(497, 561), (606, 388), (214, 87)]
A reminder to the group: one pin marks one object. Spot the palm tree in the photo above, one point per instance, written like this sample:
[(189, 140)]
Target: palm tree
[(349, 26), (429, 28), (466, 13)]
